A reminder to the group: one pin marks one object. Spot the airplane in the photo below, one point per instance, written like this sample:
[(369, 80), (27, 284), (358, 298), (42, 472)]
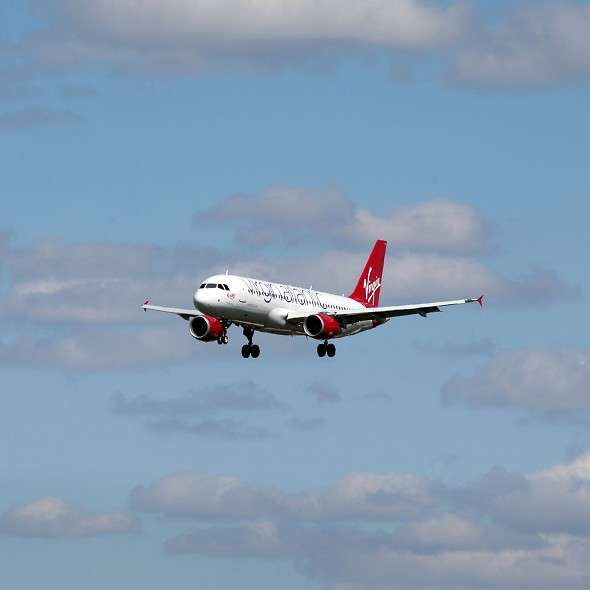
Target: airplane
[(254, 305)]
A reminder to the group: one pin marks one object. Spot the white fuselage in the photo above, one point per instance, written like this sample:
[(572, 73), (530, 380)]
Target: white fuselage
[(265, 305)]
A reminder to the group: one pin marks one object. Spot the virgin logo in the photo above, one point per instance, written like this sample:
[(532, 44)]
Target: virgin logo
[(371, 287)]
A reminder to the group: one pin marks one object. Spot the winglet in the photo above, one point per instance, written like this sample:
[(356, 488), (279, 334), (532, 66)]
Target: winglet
[(480, 300), (144, 304)]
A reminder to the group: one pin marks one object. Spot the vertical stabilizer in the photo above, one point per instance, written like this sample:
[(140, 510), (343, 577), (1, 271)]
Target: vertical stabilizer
[(368, 288)]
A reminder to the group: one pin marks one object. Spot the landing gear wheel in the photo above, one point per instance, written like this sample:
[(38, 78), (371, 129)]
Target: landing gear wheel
[(321, 350), (250, 349), (225, 340), (331, 350)]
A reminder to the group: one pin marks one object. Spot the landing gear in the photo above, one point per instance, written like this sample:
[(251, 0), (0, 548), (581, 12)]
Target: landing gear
[(223, 339), (326, 349), (250, 349)]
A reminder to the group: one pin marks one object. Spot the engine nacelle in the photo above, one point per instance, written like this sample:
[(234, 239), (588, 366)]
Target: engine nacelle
[(205, 328), (322, 326)]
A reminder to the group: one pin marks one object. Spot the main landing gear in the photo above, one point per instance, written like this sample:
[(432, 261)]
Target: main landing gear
[(250, 349), (326, 349)]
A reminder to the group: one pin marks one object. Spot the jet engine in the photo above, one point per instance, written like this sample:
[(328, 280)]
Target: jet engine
[(322, 326), (205, 328)]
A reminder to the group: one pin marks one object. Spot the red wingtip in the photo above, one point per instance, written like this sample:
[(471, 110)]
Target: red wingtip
[(480, 300)]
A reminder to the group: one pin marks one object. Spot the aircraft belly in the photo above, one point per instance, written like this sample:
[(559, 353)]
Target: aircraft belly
[(356, 328)]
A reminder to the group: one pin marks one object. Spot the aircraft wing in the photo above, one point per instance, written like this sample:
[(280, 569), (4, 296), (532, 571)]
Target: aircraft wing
[(185, 314), (377, 313)]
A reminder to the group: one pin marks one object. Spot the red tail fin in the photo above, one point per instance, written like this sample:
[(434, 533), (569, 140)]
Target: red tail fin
[(368, 288)]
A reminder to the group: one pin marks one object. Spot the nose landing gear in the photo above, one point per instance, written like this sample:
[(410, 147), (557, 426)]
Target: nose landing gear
[(224, 339), (326, 349), (250, 349)]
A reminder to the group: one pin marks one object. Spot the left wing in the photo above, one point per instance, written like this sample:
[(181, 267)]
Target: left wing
[(376, 313), (185, 314)]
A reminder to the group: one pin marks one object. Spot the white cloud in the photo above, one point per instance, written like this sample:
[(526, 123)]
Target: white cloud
[(254, 540), (364, 496), (554, 383), (540, 43), (186, 36), (439, 225), (202, 496), (561, 563), (102, 350), (293, 215), (389, 531), (377, 559), (442, 532), (406, 23), (376, 496), (551, 501), (527, 44), (415, 275), (56, 518), (97, 282)]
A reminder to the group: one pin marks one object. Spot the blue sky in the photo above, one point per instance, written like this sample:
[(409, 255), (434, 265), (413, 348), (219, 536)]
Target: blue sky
[(143, 151)]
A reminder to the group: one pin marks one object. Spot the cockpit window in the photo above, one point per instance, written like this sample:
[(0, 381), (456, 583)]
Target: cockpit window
[(202, 286), (211, 286), (220, 287), (225, 287)]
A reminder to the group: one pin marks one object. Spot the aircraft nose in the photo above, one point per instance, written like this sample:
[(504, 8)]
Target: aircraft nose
[(198, 298), (203, 300)]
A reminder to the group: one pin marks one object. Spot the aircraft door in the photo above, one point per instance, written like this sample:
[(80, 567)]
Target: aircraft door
[(243, 293)]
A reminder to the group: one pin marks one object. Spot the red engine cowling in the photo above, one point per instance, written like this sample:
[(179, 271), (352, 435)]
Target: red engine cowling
[(322, 326), (205, 328)]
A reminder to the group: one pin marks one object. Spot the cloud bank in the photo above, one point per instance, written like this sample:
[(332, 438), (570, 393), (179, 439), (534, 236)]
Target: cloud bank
[(553, 384), (187, 37), (284, 214), (540, 43), (527, 44), (505, 530), (80, 302)]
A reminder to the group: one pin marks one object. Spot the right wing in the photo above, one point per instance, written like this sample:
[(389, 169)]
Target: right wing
[(382, 313), (185, 314)]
